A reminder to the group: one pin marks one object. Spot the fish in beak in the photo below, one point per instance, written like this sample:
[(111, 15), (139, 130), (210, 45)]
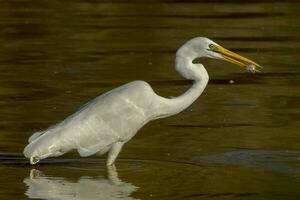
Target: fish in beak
[(235, 58)]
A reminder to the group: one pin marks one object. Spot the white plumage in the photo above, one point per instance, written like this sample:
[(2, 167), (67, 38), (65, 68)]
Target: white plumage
[(107, 122)]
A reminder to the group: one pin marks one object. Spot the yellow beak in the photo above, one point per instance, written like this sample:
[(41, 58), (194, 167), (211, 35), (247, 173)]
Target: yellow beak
[(235, 58)]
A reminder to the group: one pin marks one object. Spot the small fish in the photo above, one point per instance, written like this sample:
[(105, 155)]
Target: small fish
[(251, 68)]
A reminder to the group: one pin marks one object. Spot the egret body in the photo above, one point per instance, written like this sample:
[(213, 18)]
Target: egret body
[(110, 120)]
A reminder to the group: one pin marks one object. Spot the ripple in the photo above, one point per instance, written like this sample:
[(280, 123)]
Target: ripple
[(130, 163), (286, 162)]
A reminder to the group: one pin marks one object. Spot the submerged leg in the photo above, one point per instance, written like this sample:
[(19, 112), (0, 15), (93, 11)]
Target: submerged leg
[(112, 175), (114, 152), (34, 173)]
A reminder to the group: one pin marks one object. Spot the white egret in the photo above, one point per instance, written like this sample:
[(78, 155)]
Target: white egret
[(110, 120)]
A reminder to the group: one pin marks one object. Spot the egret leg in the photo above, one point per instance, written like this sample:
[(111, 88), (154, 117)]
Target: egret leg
[(113, 153)]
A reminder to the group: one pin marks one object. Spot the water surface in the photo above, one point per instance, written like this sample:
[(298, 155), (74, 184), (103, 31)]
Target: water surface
[(238, 141)]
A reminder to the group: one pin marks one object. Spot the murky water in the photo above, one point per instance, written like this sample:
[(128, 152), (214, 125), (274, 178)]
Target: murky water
[(238, 141)]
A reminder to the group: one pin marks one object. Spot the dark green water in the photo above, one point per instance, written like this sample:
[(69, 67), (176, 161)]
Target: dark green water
[(238, 141)]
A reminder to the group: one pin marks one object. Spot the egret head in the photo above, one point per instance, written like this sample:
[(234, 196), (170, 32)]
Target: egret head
[(205, 47)]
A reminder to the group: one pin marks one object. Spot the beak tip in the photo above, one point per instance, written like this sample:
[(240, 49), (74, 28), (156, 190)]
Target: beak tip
[(259, 66)]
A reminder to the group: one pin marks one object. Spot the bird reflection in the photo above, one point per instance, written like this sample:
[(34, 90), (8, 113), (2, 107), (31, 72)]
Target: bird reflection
[(43, 187)]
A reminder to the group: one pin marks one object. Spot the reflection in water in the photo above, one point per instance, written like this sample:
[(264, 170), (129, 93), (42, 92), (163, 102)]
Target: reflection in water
[(43, 187), (284, 162)]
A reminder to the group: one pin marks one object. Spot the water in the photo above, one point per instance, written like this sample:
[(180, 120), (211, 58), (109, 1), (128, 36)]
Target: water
[(240, 140)]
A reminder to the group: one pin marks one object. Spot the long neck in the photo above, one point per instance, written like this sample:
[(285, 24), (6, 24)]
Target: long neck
[(188, 70)]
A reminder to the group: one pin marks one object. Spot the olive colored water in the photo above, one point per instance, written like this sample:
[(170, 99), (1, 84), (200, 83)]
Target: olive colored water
[(239, 140)]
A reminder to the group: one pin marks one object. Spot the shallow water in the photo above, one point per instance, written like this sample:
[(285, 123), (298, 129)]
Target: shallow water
[(240, 140)]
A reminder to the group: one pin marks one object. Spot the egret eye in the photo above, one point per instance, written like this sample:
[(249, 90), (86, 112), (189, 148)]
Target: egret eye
[(212, 47)]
